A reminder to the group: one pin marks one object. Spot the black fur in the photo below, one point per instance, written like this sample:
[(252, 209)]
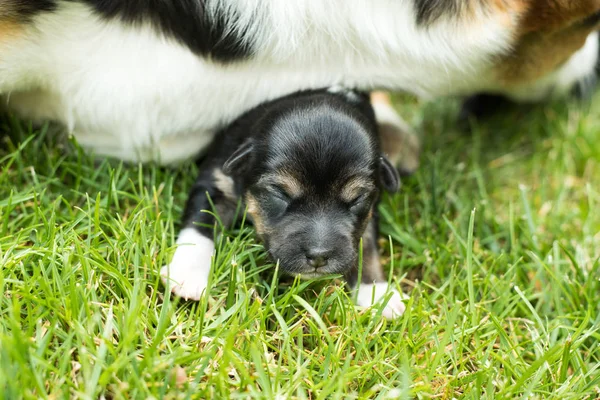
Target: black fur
[(591, 21), (482, 106), (321, 142), (23, 11), (429, 11), (184, 20)]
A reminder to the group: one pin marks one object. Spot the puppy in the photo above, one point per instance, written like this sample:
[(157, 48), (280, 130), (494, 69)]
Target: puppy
[(154, 80), (309, 169)]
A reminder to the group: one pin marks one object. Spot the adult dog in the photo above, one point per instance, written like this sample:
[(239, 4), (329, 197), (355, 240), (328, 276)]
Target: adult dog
[(149, 80)]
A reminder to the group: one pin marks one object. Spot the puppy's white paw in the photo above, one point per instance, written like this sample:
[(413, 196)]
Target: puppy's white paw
[(371, 293), (187, 274)]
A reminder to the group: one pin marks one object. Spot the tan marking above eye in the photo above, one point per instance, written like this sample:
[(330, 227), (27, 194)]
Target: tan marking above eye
[(287, 182), (354, 188)]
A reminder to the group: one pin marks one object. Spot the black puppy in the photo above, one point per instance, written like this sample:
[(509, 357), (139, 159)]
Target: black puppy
[(310, 171)]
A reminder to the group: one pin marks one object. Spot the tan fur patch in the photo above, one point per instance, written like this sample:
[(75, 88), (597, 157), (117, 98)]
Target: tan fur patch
[(548, 34), (504, 11), (225, 184), (9, 30), (253, 209), (9, 20), (354, 188), (287, 182), (552, 15), (380, 97)]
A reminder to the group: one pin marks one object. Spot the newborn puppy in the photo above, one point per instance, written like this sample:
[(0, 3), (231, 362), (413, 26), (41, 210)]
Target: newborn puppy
[(310, 171)]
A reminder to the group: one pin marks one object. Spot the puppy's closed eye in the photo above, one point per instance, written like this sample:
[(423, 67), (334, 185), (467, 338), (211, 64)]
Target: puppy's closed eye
[(358, 194), (276, 201), (283, 183), (279, 192), (354, 188), (361, 202)]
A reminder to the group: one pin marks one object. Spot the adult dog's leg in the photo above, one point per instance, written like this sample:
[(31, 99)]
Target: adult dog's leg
[(398, 140)]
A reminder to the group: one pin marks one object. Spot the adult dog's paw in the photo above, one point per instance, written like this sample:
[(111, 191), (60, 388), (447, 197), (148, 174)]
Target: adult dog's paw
[(370, 294), (187, 274)]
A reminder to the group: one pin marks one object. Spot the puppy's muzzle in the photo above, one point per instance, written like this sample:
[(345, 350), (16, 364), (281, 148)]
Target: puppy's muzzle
[(318, 257), (313, 244)]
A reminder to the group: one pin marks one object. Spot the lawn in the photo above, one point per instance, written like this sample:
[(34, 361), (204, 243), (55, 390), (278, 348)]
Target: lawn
[(495, 238)]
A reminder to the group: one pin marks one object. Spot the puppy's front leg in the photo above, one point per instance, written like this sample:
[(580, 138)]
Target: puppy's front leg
[(373, 286), (187, 274)]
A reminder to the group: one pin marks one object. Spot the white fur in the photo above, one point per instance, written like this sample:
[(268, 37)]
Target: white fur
[(348, 93), (187, 274), (131, 93), (371, 293)]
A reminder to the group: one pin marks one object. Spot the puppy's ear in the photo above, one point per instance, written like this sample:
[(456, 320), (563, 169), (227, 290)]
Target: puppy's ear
[(390, 180), (238, 161)]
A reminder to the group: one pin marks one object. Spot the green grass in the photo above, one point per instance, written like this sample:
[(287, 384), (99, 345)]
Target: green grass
[(496, 238)]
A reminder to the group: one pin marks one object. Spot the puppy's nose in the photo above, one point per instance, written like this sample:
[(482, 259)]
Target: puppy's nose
[(317, 257)]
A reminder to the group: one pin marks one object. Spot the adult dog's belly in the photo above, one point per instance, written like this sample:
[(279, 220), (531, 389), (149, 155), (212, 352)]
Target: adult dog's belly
[(162, 109), (132, 93)]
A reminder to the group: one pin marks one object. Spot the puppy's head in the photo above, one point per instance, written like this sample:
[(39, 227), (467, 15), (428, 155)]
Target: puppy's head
[(310, 184)]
